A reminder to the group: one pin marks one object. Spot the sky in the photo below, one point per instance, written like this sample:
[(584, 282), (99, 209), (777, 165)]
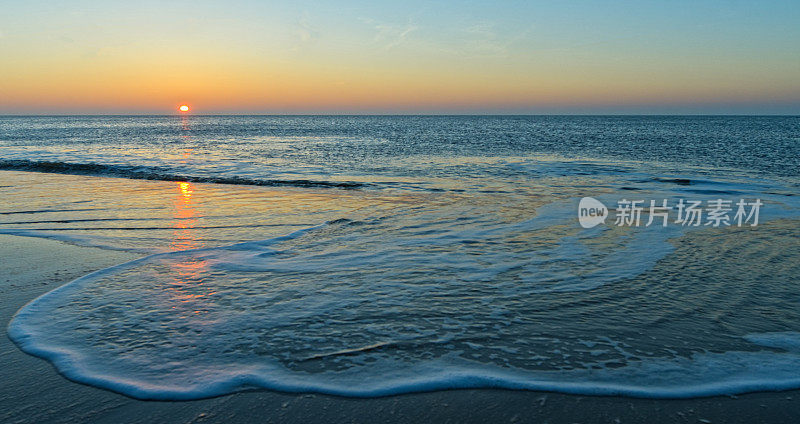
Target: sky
[(377, 57)]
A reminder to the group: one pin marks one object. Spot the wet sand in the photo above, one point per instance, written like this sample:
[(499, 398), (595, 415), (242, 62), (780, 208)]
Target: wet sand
[(32, 391)]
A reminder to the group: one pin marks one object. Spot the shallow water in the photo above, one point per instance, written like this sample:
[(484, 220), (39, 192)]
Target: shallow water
[(378, 255)]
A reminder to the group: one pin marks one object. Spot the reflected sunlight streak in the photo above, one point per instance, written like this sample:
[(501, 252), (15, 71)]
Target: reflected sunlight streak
[(187, 290)]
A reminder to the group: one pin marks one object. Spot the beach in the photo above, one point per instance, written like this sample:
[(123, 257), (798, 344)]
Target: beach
[(32, 391)]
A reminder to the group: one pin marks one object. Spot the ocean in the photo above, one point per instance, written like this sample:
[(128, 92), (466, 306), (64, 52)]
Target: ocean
[(374, 255)]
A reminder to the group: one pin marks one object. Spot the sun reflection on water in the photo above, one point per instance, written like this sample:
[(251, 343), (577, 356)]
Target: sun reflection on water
[(185, 218), (187, 288)]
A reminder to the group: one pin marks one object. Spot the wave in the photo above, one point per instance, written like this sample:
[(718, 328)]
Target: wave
[(159, 174)]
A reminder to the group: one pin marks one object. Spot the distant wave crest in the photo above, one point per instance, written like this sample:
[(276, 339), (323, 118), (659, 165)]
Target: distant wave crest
[(153, 173)]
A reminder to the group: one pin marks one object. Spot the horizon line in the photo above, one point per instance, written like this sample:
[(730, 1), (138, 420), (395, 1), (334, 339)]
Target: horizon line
[(399, 114)]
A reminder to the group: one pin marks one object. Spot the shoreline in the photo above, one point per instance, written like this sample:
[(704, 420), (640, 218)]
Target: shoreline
[(32, 391)]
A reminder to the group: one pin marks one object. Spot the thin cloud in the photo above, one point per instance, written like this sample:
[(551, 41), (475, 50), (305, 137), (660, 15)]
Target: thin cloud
[(482, 40), (305, 31), (389, 36)]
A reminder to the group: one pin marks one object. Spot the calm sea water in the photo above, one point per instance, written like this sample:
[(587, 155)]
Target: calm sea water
[(366, 256)]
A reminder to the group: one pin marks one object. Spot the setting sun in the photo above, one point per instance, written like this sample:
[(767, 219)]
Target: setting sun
[(184, 108)]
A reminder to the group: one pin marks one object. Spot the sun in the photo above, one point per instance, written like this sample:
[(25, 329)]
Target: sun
[(183, 108)]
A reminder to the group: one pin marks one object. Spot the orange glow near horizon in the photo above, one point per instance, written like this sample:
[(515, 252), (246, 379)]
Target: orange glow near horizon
[(379, 88)]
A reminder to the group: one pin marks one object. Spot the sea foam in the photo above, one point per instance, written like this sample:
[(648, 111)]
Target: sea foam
[(377, 307)]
